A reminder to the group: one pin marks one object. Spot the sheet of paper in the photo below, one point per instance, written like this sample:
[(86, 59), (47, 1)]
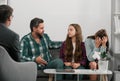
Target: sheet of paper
[(96, 55)]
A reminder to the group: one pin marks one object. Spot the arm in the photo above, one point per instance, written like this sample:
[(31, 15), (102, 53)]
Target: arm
[(16, 48), (24, 51), (52, 44), (84, 57), (62, 56), (104, 42), (28, 55), (90, 49)]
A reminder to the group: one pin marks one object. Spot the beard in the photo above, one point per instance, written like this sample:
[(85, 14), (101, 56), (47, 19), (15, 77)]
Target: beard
[(39, 35)]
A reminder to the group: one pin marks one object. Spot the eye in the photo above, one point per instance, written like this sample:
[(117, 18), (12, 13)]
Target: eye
[(70, 29)]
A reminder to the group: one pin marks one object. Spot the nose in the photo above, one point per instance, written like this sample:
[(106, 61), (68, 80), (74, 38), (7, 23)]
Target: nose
[(69, 32)]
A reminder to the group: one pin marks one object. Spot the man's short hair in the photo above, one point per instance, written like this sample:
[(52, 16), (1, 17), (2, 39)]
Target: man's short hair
[(5, 13), (35, 23)]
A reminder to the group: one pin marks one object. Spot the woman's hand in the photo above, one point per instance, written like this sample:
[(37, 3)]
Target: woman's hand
[(104, 40), (75, 65), (93, 65), (98, 42), (68, 63)]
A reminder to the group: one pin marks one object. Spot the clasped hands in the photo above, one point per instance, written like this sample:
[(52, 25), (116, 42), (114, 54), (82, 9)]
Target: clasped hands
[(72, 64)]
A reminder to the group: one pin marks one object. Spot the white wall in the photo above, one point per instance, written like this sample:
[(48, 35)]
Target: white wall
[(92, 15)]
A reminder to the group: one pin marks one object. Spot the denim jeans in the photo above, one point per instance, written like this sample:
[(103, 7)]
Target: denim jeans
[(56, 64), (73, 77)]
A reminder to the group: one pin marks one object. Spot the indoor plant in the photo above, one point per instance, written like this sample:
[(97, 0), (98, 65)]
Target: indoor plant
[(103, 62)]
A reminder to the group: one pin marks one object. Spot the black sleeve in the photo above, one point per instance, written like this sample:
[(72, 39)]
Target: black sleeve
[(16, 48)]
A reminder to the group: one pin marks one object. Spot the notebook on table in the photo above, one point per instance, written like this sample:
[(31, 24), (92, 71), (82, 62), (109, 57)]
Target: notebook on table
[(65, 70)]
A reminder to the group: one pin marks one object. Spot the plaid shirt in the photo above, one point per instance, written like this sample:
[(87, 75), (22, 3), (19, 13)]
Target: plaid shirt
[(30, 49)]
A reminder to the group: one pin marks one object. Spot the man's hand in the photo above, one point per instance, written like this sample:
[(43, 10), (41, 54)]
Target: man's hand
[(40, 60)]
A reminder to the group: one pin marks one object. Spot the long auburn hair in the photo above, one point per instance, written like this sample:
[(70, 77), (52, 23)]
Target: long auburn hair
[(69, 47), (101, 33)]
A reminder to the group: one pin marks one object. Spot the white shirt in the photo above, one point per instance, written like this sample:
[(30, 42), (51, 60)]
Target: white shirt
[(74, 45)]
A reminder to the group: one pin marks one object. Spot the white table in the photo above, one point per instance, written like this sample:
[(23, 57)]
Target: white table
[(103, 74)]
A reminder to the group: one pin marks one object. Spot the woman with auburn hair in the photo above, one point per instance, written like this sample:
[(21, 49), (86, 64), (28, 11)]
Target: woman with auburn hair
[(96, 43), (73, 51)]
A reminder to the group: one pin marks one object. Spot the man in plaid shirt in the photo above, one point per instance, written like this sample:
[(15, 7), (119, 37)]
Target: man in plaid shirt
[(35, 47)]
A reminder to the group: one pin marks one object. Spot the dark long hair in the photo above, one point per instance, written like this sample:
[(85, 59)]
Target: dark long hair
[(69, 47), (101, 33)]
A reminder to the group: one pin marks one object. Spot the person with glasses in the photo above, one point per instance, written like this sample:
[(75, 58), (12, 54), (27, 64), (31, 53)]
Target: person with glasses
[(8, 38)]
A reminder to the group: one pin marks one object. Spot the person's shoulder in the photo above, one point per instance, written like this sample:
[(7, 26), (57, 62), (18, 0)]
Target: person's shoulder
[(63, 43), (6, 29), (82, 43), (88, 39), (45, 34), (26, 36), (11, 33), (15, 33)]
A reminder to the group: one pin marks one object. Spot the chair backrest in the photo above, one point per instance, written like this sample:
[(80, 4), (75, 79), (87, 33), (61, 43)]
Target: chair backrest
[(16, 71)]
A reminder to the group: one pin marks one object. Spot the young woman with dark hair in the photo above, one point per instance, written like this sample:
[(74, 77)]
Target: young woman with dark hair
[(96, 43)]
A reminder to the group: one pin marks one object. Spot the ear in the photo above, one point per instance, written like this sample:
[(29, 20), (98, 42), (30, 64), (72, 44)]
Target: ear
[(34, 28), (10, 18)]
